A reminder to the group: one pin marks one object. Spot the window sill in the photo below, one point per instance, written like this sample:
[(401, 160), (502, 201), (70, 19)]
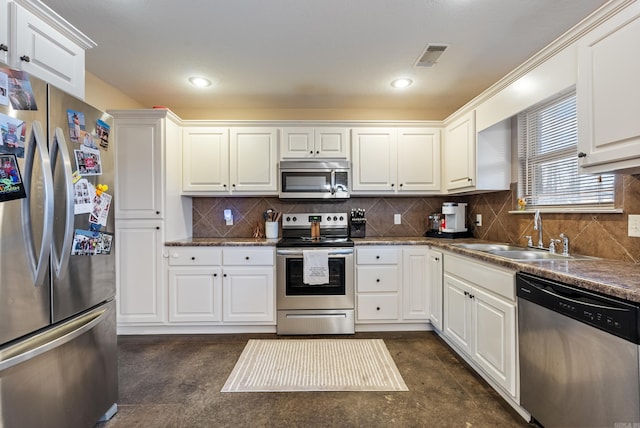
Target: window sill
[(592, 210)]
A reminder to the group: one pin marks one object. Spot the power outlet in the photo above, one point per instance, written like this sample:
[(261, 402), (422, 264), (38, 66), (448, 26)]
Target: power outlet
[(397, 219), (634, 225), (478, 219)]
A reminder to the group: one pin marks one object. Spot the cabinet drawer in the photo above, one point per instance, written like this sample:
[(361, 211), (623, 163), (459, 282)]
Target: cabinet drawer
[(194, 256), (377, 278), (378, 256), (248, 256), (378, 307), (495, 280)]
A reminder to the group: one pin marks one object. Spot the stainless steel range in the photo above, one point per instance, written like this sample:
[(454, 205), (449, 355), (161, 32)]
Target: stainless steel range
[(315, 284)]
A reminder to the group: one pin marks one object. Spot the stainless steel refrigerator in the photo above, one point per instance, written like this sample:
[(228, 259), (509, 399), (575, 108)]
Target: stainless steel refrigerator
[(58, 346)]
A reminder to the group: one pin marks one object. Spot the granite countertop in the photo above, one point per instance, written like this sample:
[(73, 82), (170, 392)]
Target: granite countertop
[(218, 242), (609, 277)]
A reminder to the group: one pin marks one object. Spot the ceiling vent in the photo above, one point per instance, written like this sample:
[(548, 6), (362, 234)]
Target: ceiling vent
[(430, 55)]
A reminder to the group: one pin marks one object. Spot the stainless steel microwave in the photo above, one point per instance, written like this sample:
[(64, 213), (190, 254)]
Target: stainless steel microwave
[(315, 179)]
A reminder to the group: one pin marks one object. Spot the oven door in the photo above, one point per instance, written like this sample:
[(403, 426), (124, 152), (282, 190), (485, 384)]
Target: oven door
[(293, 293)]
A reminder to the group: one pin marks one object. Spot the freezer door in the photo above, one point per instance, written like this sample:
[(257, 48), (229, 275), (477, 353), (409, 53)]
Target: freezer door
[(24, 249), (64, 377), (79, 281)]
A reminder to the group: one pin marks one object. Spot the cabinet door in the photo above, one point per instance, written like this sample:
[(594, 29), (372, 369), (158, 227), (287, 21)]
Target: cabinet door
[(374, 160), (248, 294), (4, 31), (139, 272), (418, 160), (457, 312), (435, 289), (494, 332), (331, 143), (46, 53), (254, 160), (297, 143), (608, 94), (415, 277), (139, 175), (205, 159), (195, 294), (460, 153)]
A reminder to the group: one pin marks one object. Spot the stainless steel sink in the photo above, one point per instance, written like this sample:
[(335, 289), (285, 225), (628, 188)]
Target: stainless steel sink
[(531, 255), (490, 247), (515, 252)]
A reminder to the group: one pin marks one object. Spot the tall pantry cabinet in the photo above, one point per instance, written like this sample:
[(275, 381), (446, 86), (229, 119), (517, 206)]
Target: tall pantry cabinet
[(149, 210)]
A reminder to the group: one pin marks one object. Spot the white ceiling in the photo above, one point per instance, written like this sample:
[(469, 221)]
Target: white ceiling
[(313, 54)]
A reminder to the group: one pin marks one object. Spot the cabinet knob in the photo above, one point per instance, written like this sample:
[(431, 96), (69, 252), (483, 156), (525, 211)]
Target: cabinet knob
[(310, 152), (246, 258), (582, 155), (318, 152), (193, 258), (377, 257), (157, 212), (466, 293), (378, 280), (224, 274), (25, 58), (469, 179), (400, 184), (437, 259), (4, 47), (157, 227), (224, 185), (392, 184), (378, 308), (215, 274)]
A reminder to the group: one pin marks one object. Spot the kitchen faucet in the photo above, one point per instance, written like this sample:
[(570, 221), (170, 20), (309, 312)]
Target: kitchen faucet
[(537, 225)]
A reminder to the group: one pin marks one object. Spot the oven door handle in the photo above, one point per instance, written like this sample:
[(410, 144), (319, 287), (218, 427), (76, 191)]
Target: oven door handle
[(298, 253)]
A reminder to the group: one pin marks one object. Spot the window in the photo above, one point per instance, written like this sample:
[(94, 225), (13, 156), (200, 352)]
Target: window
[(548, 160)]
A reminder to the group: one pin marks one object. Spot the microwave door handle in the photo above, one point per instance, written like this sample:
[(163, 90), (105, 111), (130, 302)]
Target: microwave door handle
[(333, 181)]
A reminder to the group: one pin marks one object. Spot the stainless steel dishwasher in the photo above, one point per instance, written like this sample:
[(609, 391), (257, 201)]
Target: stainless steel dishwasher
[(579, 355)]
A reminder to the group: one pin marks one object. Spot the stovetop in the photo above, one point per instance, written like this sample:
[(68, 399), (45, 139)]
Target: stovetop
[(296, 230)]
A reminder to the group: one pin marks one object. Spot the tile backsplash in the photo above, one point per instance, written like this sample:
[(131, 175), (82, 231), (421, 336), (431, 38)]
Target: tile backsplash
[(600, 235)]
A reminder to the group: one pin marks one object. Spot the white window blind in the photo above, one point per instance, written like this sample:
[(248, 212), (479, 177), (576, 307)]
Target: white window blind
[(548, 157)]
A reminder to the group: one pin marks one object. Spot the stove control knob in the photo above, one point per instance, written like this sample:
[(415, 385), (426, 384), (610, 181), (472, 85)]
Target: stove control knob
[(329, 218), (288, 219), (335, 218), (295, 219), (341, 218)]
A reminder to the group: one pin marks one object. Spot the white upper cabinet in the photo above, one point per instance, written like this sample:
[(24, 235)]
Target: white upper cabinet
[(205, 159), (477, 161), (253, 156), (396, 160), (4, 31), (314, 143), (44, 45), (236, 160), (460, 153), (608, 94)]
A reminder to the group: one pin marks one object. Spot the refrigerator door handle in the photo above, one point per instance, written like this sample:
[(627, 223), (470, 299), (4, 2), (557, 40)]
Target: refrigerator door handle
[(51, 339), (39, 265), (61, 261)]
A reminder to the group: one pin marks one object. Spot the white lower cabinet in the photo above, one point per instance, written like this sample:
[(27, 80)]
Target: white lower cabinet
[(435, 288), (140, 285), (479, 318), (221, 285), (392, 284)]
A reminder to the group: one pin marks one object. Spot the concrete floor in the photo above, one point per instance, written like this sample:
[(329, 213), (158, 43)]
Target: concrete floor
[(175, 381)]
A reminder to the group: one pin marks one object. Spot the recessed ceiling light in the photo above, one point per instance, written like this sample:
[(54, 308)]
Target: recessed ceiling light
[(200, 82), (401, 83)]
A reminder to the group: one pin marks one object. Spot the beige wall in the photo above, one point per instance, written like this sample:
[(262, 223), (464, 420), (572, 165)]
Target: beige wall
[(103, 96)]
